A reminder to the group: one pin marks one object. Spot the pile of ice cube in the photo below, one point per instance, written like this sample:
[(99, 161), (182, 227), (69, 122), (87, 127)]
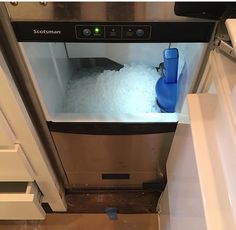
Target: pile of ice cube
[(130, 90)]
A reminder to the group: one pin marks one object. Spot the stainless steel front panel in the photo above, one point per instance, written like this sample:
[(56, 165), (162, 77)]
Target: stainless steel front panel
[(95, 12), (87, 157)]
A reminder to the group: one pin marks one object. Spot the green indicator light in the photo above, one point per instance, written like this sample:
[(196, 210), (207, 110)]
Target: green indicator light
[(97, 30)]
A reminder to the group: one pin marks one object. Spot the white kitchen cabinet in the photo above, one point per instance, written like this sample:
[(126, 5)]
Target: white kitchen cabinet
[(7, 137), (230, 24), (14, 165), (201, 179), (23, 160)]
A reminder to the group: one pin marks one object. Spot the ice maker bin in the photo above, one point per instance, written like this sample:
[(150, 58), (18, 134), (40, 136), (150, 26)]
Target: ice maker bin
[(90, 84)]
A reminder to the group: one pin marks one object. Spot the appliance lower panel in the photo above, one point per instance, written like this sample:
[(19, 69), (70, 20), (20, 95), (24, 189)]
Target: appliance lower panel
[(126, 201), (113, 161)]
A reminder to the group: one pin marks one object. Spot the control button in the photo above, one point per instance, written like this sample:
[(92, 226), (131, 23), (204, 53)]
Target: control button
[(87, 32), (136, 32), (139, 32), (129, 33), (113, 32)]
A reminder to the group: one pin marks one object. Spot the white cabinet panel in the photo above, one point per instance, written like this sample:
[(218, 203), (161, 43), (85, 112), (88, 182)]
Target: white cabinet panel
[(225, 81), (208, 131), (182, 203), (14, 110), (201, 179), (7, 137), (20, 203), (14, 165), (231, 27)]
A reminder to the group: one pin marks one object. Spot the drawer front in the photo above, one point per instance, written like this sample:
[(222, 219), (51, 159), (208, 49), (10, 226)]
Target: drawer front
[(20, 201), (7, 137), (14, 165)]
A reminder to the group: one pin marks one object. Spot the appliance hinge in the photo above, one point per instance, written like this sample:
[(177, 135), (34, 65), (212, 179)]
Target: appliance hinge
[(227, 49), (222, 40), (221, 33)]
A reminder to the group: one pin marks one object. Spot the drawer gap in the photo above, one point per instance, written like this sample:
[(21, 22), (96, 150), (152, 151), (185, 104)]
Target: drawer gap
[(13, 187)]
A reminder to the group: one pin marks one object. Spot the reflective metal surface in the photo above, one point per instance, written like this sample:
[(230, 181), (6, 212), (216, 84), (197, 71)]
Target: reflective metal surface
[(95, 12), (87, 157)]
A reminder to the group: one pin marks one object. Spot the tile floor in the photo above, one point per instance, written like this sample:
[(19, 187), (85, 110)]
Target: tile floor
[(86, 222)]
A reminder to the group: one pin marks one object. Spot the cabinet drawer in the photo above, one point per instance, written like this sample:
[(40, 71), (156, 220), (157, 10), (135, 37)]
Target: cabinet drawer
[(20, 201), (7, 137), (14, 165)]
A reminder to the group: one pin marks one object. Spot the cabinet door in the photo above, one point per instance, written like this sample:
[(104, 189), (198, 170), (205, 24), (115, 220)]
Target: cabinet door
[(201, 178), (14, 165), (26, 159)]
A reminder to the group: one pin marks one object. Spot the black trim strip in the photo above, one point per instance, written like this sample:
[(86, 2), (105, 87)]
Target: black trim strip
[(115, 176), (206, 10), (160, 31), (111, 128)]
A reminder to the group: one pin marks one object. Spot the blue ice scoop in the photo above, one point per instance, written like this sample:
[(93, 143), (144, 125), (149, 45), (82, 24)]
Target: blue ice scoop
[(171, 59), (166, 87)]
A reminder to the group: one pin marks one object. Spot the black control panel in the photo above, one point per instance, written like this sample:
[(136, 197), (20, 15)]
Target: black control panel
[(116, 32), (121, 32)]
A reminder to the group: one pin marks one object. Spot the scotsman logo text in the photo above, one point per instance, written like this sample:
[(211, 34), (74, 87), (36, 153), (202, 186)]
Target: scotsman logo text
[(35, 31)]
